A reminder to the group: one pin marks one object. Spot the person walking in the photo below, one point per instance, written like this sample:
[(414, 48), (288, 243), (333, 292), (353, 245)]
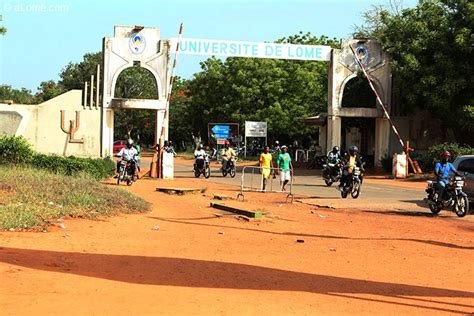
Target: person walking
[(266, 163), (285, 167)]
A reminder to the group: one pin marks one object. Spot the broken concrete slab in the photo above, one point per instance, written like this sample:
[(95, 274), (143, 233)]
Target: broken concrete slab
[(250, 214), (181, 191), (221, 197)]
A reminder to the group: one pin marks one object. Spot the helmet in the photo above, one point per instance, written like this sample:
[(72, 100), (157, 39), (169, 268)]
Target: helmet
[(129, 143), (335, 148), (200, 146), (446, 154), (277, 142), (353, 149)]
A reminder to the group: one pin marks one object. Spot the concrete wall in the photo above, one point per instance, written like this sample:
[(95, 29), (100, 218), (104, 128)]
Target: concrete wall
[(41, 125)]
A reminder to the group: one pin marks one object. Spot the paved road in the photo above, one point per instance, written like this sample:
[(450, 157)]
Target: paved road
[(308, 187)]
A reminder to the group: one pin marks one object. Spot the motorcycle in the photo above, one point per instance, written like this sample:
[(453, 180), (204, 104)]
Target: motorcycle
[(126, 172), (202, 166), (332, 173), (230, 168), (453, 198), (353, 184)]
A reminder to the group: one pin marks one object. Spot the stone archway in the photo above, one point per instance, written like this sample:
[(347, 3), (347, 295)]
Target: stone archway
[(342, 68), (130, 47)]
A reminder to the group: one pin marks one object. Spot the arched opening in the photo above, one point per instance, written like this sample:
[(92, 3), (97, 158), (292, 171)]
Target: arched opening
[(137, 124), (359, 131), (136, 83), (358, 94)]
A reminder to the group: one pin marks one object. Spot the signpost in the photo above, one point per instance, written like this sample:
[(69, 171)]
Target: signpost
[(194, 46), (221, 132), (255, 129)]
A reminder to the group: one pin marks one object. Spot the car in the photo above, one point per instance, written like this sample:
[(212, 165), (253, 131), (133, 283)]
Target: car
[(465, 166), (118, 145)]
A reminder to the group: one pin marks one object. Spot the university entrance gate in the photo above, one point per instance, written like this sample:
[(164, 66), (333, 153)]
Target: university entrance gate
[(90, 113), (140, 46)]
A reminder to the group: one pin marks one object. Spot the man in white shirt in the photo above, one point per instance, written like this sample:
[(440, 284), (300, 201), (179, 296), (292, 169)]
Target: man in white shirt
[(128, 153), (200, 154)]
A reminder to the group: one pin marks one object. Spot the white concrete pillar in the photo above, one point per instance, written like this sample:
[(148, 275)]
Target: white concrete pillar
[(107, 132), (333, 132), (382, 139)]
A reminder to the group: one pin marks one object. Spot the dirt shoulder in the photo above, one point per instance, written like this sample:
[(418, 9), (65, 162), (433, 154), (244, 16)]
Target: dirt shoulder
[(181, 258)]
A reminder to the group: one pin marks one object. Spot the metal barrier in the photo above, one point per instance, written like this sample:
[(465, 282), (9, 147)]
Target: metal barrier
[(303, 154), (257, 177)]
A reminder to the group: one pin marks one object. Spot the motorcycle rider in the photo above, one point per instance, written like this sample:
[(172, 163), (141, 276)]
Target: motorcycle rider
[(227, 154), (334, 157), (277, 148), (128, 153), (200, 155), (442, 172), (350, 161)]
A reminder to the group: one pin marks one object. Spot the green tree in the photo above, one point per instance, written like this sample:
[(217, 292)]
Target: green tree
[(276, 91), (180, 127), (74, 75), (136, 83), (21, 96), (48, 90), (432, 46)]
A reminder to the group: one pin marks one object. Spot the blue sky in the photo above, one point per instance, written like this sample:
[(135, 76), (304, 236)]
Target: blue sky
[(43, 36)]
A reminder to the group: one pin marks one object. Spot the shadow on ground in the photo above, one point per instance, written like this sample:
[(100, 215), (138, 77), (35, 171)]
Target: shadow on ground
[(212, 274)]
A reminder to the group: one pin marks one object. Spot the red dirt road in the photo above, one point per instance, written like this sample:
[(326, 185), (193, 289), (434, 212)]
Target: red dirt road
[(351, 261)]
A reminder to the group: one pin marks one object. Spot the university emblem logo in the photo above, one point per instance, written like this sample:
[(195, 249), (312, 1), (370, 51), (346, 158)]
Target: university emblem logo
[(137, 43), (362, 54)]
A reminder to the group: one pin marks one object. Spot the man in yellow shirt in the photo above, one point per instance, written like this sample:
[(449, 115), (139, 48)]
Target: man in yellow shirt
[(228, 155), (351, 160), (266, 164)]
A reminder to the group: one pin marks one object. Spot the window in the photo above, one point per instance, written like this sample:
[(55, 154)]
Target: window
[(467, 165)]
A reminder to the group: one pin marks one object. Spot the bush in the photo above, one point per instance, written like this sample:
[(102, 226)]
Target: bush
[(15, 150), (96, 168), (454, 148), (428, 159), (425, 161)]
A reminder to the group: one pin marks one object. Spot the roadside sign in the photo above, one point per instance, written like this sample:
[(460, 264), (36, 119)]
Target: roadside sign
[(255, 129), (221, 131)]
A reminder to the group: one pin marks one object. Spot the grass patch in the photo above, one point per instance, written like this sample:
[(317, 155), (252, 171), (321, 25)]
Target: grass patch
[(32, 199)]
